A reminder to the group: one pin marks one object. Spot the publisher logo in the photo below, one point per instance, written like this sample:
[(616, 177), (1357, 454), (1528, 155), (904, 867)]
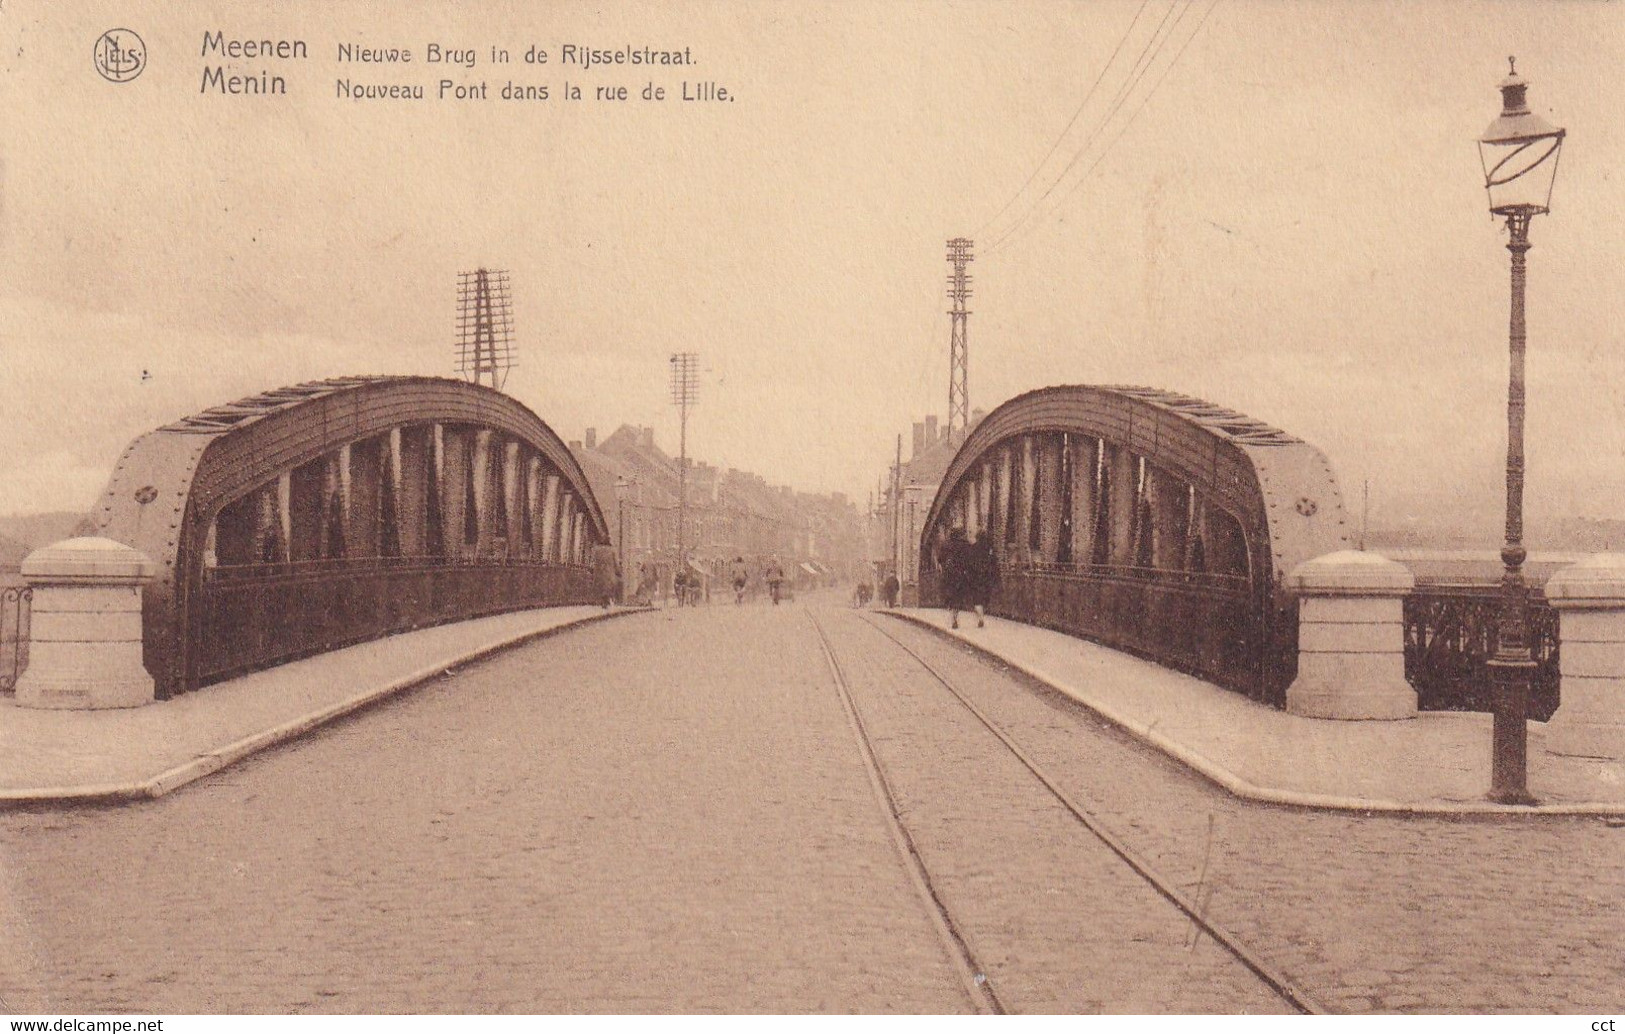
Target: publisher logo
[(120, 55)]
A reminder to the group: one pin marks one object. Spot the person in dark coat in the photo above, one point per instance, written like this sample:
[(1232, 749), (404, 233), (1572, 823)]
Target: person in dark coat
[(953, 560), (981, 575), (606, 570), (889, 590)]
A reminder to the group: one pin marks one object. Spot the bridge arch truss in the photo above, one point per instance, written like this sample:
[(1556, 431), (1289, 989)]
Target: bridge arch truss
[(1146, 520), (327, 513)]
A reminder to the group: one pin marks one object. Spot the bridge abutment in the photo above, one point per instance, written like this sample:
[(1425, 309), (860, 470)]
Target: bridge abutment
[(1351, 638), (85, 635), (1590, 599)]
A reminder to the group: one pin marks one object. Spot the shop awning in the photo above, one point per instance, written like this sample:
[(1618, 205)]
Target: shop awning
[(810, 569), (702, 572)]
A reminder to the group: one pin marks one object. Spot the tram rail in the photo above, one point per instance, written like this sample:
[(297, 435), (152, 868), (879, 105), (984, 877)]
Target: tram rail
[(983, 994)]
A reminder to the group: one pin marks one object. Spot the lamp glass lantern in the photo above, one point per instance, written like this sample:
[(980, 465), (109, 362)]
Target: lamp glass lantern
[(1519, 152)]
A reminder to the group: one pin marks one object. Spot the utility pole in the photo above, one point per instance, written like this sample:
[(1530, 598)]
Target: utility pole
[(484, 327), (958, 350), (896, 513), (685, 390)]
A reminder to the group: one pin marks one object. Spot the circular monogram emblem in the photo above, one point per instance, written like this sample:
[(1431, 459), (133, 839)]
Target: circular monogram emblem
[(120, 55), (145, 494), (1307, 506)]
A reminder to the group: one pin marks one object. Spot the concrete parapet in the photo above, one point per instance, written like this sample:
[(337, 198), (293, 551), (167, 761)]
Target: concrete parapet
[(1590, 599), (84, 649), (1351, 638)]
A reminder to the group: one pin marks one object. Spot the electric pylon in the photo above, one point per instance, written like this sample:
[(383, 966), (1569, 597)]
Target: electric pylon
[(484, 327), (958, 350)]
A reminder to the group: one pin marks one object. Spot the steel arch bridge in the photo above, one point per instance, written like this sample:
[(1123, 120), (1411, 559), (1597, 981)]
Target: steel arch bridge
[(305, 518), (1146, 520)]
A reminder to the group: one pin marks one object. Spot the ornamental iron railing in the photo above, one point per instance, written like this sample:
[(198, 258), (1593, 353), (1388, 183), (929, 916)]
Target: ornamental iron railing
[(1450, 632), (15, 608)]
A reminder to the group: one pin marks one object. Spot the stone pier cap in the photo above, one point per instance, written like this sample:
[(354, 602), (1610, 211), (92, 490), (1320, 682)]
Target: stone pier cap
[(1352, 572), (91, 560), (1598, 580)]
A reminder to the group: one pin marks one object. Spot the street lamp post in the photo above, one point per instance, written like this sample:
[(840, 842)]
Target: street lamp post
[(621, 485), (1519, 152)]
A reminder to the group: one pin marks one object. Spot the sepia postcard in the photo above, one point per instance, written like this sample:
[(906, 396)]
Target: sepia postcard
[(811, 507)]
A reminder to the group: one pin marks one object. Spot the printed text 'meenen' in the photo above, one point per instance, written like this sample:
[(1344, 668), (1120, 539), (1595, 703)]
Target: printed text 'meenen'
[(218, 44)]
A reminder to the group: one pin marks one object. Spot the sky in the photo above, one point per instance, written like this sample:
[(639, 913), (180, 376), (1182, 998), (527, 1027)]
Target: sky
[(1292, 224)]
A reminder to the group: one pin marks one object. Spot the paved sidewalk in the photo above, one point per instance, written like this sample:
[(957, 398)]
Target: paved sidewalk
[(1438, 762), (49, 756)]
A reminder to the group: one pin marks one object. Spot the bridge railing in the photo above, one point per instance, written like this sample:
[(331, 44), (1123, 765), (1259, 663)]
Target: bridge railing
[(256, 615), (15, 611), (1450, 632), (1210, 625)]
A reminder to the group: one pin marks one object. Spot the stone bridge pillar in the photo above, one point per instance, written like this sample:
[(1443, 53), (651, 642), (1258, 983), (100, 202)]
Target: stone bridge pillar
[(84, 647), (1351, 638), (1590, 599)]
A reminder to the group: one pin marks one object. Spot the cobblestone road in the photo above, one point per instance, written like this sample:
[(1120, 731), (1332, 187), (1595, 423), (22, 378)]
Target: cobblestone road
[(1370, 913), (662, 813), (1058, 922), (669, 813)]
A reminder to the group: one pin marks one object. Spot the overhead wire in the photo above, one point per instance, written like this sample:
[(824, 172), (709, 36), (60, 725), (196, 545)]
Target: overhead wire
[(1130, 78), (1145, 100), (1148, 58), (1055, 146)]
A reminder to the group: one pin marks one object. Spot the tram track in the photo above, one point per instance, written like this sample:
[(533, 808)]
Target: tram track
[(972, 979), (981, 989)]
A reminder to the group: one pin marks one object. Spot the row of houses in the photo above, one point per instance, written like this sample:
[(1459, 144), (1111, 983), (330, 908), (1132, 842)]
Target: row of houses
[(730, 514), (897, 517)]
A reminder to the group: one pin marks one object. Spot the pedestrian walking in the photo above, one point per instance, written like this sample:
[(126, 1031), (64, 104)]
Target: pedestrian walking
[(981, 576), (606, 571), (953, 562), (890, 588), (775, 576), (738, 575)]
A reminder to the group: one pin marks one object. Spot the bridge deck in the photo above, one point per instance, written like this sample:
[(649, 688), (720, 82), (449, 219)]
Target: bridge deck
[(671, 812), (1437, 761)]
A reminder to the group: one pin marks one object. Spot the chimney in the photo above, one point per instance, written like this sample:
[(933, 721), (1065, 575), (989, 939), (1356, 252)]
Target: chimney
[(592, 437), (919, 439), (976, 416), (647, 436), (931, 437)]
